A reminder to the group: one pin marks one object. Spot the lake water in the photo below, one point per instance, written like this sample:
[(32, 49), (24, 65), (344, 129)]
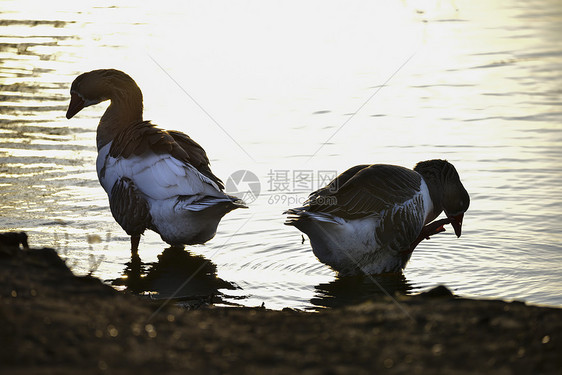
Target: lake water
[(291, 89)]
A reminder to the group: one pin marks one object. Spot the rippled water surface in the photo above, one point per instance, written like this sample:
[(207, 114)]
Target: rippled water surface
[(282, 89)]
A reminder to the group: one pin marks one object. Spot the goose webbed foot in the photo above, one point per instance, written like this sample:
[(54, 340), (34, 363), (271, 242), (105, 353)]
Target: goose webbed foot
[(429, 230), (434, 228)]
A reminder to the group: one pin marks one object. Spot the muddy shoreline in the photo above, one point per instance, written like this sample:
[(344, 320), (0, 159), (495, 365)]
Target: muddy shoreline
[(56, 322)]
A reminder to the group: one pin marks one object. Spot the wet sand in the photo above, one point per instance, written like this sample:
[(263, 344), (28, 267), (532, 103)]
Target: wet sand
[(56, 322)]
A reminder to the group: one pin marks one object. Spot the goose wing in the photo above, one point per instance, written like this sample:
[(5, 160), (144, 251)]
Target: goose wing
[(196, 156), (159, 167), (336, 183), (370, 190), (144, 137)]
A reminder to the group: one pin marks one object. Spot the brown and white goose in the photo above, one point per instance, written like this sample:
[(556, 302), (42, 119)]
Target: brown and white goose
[(370, 218), (155, 179)]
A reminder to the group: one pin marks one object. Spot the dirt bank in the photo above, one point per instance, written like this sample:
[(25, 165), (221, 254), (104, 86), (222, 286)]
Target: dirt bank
[(55, 322)]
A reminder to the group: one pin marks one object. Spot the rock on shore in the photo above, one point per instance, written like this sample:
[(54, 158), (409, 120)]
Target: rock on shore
[(53, 322)]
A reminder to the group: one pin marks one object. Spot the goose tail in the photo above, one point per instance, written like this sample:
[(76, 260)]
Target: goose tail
[(300, 215)]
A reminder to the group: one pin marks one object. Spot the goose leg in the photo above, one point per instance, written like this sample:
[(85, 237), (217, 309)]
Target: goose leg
[(135, 240)]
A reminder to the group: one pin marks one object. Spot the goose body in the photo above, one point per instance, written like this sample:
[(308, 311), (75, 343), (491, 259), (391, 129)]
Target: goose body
[(155, 179), (371, 217)]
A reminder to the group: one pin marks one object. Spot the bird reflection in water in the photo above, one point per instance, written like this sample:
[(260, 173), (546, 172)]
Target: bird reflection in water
[(191, 280), (350, 290)]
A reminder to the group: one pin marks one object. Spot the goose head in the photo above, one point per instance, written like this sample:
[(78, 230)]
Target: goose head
[(454, 199), (100, 85)]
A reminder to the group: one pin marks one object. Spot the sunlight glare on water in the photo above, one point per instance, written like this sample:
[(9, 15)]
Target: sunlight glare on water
[(281, 87)]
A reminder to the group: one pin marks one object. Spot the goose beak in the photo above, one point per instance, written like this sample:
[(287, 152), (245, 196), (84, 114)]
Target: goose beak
[(76, 105), (456, 222)]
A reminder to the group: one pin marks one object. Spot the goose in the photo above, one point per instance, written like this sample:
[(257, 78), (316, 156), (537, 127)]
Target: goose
[(155, 179), (370, 218)]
